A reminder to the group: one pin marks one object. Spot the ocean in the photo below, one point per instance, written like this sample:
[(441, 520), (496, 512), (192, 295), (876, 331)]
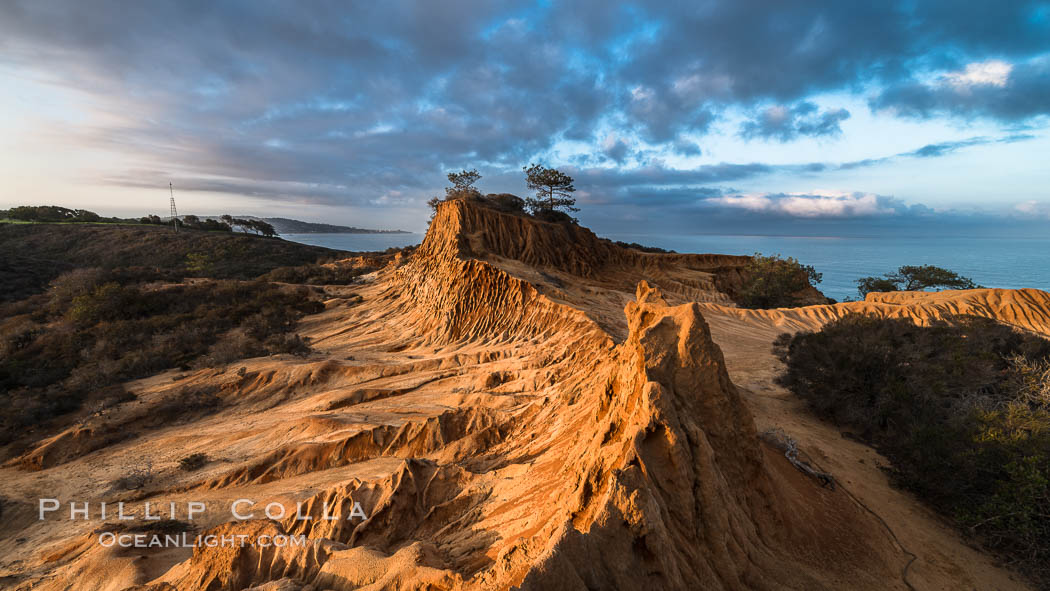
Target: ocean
[(357, 242), (992, 262)]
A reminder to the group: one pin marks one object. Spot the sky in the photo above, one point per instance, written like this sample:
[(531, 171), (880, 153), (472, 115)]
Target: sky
[(817, 117)]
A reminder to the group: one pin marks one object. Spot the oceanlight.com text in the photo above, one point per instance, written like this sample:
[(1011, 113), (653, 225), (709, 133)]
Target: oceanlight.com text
[(185, 540)]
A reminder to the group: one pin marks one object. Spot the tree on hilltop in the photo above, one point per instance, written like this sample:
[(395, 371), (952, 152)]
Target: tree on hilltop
[(553, 190), (462, 186), (915, 278), (256, 226), (261, 227), (50, 213), (462, 182)]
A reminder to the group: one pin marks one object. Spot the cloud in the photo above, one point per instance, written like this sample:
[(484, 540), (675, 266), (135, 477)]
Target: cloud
[(784, 123), (748, 202), (687, 147), (945, 148), (989, 73), (994, 89), (658, 175), (1034, 209), (816, 205), (615, 148)]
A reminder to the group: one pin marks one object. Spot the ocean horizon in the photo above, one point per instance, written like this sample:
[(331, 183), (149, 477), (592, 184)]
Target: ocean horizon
[(1001, 262)]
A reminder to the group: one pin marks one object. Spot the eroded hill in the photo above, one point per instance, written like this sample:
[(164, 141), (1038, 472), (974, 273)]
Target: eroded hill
[(516, 405)]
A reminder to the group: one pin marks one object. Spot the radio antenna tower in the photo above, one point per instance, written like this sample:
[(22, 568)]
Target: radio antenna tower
[(174, 213)]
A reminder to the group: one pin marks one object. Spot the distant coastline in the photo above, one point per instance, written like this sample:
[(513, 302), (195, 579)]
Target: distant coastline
[(37, 214), (356, 241), (290, 226)]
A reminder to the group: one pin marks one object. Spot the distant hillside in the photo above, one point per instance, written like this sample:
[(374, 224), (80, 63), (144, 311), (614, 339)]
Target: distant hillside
[(287, 226), (37, 253), (58, 214)]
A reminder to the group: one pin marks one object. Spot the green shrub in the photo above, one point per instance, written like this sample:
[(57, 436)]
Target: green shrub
[(315, 274), (193, 462), (554, 216), (866, 285), (109, 301), (506, 203), (959, 409), (774, 282), (290, 344), (914, 278), (642, 247), (136, 478)]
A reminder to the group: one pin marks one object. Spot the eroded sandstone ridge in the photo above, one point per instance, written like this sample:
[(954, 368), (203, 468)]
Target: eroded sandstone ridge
[(516, 405)]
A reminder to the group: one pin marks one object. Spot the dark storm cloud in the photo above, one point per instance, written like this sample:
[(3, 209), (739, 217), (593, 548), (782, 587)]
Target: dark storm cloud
[(616, 149), (350, 101), (785, 123), (748, 51), (1020, 94), (687, 148)]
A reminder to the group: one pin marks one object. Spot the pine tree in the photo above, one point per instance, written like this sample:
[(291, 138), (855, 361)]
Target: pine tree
[(462, 182), (553, 189)]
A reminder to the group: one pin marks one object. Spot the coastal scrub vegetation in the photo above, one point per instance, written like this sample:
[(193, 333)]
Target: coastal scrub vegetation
[(87, 307), (642, 247), (193, 462), (51, 214), (961, 408), (775, 282), (97, 328), (915, 278), (317, 274), (38, 253), (505, 202)]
